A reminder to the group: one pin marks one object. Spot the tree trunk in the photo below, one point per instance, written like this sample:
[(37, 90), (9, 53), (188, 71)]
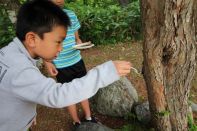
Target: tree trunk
[(169, 60)]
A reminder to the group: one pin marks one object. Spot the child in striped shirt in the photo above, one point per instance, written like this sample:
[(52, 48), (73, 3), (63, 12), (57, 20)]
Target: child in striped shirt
[(69, 64)]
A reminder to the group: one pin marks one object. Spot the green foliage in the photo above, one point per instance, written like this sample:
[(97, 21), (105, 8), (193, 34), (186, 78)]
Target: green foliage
[(22, 1), (132, 127), (102, 21), (192, 126), (69, 1), (94, 3), (135, 127), (6, 28), (131, 117), (108, 23), (162, 113)]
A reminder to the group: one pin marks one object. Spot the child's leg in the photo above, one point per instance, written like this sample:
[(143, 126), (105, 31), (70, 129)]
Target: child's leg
[(73, 112), (86, 108)]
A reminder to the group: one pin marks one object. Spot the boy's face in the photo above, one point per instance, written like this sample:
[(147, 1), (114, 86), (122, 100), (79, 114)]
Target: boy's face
[(49, 47), (60, 3)]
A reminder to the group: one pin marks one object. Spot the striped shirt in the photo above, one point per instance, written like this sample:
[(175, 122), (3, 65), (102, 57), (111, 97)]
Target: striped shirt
[(69, 56)]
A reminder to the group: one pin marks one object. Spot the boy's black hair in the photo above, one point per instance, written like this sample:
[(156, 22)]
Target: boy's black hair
[(39, 16)]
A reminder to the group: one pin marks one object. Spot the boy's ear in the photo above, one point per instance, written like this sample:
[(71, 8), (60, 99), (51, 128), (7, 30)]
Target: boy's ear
[(31, 39)]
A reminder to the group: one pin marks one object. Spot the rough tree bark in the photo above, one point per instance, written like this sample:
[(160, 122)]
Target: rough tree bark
[(169, 59)]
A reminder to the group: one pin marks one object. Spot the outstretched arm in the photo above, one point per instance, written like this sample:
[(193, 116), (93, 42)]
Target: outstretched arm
[(45, 91)]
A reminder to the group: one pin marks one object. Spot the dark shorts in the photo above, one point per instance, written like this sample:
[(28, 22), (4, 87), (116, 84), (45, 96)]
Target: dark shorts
[(67, 74)]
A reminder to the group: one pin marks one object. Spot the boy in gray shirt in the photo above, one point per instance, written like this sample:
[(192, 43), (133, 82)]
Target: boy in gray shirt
[(40, 31)]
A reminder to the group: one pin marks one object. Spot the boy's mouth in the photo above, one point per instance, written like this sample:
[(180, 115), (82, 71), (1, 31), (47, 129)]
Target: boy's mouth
[(55, 57)]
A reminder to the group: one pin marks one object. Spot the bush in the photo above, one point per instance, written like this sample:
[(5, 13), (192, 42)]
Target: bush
[(6, 28), (102, 23), (191, 124), (108, 25)]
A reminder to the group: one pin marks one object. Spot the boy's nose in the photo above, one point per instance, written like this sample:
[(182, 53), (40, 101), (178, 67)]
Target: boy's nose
[(60, 48)]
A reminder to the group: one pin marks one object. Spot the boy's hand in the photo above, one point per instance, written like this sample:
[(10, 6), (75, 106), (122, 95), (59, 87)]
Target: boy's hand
[(51, 68), (122, 67), (78, 41)]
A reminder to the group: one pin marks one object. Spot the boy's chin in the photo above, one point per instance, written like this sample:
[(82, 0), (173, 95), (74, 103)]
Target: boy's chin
[(48, 60), (61, 6)]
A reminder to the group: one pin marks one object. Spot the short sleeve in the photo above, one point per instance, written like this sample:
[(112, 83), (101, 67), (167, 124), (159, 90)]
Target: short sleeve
[(76, 23)]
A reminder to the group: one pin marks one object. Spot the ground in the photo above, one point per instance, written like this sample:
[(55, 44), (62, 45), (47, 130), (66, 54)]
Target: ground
[(58, 119)]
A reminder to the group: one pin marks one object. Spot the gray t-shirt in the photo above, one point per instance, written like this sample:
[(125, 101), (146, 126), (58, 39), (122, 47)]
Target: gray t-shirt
[(22, 87)]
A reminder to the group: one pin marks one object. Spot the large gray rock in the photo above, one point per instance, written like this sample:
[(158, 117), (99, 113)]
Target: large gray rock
[(143, 113), (89, 126), (194, 107), (117, 99)]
